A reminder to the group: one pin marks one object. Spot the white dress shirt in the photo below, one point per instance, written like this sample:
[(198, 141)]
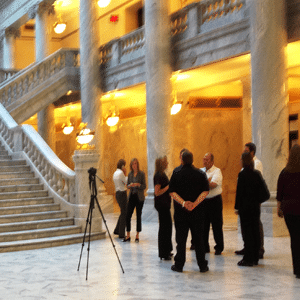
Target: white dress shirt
[(120, 181), (216, 176), (258, 165)]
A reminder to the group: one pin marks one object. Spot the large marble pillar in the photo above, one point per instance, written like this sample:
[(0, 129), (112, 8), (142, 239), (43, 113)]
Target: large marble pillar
[(89, 66), (269, 97), (9, 38), (158, 86), (247, 109), (46, 122)]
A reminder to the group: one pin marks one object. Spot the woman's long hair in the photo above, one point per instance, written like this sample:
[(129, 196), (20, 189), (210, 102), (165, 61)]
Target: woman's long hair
[(159, 164), (138, 165), (293, 164)]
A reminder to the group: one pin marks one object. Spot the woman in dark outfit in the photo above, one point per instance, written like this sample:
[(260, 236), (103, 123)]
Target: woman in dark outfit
[(288, 197), (162, 203), (137, 184), (250, 193)]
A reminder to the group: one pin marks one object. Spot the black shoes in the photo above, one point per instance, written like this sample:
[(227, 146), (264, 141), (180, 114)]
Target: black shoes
[(137, 240), (244, 263), (240, 252), (298, 276), (218, 252), (127, 239), (192, 247), (175, 269), (205, 269), (166, 258)]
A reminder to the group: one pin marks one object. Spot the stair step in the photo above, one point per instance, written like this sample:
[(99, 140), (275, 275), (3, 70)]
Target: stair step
[(48, 242), (38, 233), (28, 209), (13, 175), (45, 215), (40, 224), (27, 201), (25, 194), (3, 152), (21, 188), (11, 169), (11, 163), (5, 157), (18, 181)]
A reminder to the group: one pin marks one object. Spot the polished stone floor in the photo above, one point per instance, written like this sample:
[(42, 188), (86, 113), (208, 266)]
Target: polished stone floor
[(52, 273)]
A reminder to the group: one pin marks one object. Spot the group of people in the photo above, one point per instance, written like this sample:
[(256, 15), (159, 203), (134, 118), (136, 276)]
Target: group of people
[(198, 205)]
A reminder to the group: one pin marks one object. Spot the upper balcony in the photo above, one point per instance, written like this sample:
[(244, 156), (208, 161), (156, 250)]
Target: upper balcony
[(201, 33)]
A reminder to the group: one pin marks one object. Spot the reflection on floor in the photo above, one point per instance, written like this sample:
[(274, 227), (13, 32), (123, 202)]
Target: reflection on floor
[(52, 273)]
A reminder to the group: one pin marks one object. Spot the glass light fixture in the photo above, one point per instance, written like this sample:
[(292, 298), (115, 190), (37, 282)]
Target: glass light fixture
[(113, 117), (59, 27), (103, 3), (68, 129), (85, 136), (176, 107)]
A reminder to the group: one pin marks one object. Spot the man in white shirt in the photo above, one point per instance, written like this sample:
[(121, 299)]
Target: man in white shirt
[(120, 181), (213, 205), (251, 148)]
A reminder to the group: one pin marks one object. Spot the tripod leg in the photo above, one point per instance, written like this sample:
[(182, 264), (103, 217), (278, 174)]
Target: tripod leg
[(86, 225), (109, 234), (89, 244)]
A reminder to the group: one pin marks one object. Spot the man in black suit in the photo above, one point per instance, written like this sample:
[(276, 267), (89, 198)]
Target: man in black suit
[(188, 187)]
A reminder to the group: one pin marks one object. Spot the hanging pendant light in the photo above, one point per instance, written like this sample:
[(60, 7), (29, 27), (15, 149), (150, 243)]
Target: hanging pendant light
[(103, 3)]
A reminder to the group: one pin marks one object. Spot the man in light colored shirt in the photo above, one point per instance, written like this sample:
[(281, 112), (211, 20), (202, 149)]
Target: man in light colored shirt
[(120, 181), (213, 205), (251, 148)]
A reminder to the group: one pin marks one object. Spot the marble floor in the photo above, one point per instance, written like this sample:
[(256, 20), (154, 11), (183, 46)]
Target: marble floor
[(52, 273)]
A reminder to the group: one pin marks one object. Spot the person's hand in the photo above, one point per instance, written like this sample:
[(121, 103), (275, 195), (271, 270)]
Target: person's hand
[(124, 170), (189, 205)]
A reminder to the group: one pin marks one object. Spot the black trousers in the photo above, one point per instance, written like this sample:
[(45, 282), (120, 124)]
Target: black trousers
[(250, 227), (213, 209), (182, 226), (122, 201), (134, 203), (164, 232), (293, 225)]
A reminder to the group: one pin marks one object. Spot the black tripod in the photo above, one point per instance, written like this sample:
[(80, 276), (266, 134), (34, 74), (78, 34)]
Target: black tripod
[(93, 189)]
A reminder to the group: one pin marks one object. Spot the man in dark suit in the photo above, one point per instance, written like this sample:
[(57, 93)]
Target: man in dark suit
[(188, 187)]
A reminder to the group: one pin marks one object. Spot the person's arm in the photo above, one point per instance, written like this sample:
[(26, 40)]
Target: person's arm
[(200, 198), (159, 191), (279, 196), (142, 184), (185, 204), (215, 180)]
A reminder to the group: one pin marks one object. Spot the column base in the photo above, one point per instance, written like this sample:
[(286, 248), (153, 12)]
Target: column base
[(272, 224), (149, 212)]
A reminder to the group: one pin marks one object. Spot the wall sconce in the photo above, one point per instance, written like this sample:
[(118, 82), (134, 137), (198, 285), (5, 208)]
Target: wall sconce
[(113, 117), (103, 3), (177, 105), (85, 135)]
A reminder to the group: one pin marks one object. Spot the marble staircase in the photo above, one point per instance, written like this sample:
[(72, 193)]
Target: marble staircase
[(29, 218)]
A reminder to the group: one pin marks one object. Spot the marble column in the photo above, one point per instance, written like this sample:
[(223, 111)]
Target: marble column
[(9, 38), (247, 110), (269, 97), (158, 86), (46, 122)]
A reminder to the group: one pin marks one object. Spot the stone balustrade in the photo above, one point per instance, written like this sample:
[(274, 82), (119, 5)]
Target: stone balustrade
[(23, 82), (24, 139), (6, 74)]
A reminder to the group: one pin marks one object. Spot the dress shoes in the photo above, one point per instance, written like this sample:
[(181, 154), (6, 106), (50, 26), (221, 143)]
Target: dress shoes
[(166, 258), (204, 269), (218, 252), (126, 239), (176, 269), (244, 263), (240, 252)]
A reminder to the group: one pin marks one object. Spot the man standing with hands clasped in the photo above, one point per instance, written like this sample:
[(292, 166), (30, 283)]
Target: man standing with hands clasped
[(188, 187), (213, 205)]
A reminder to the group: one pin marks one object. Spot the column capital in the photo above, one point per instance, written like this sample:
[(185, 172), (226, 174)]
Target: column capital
[(45, 7), (12, 32)]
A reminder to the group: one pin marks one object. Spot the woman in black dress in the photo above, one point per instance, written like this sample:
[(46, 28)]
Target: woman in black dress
[(162, 203), (288, 197), (251, 191)]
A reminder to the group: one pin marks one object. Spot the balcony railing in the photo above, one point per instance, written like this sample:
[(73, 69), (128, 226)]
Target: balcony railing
[(23, 82)]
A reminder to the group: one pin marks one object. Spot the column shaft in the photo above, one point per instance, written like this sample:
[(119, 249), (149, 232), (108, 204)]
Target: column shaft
[(158, 85)]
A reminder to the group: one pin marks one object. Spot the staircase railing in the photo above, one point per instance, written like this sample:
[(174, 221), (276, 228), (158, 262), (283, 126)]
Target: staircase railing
[(23, 82), (59, 178)]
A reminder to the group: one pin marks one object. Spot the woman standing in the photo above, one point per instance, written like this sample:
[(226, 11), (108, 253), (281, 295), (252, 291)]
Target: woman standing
[(137, 184), (288, 197), (162, 203), (251, 191)]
